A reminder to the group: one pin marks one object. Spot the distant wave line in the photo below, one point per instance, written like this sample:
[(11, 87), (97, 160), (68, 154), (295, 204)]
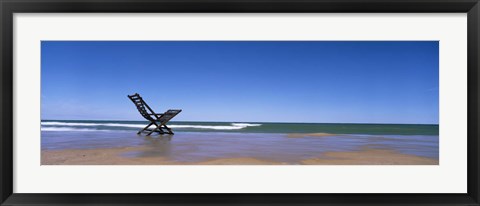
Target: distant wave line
[(232, 126), (68, 129)]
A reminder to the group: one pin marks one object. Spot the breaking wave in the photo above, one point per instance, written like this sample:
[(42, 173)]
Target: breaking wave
[(70, 126), (67, 129), (73, 124)]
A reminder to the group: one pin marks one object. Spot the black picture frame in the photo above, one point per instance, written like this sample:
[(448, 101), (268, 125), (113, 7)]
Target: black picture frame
[(9, 7)]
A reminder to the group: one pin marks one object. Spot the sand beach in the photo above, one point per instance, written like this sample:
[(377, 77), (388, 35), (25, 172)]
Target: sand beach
[(113, 156)]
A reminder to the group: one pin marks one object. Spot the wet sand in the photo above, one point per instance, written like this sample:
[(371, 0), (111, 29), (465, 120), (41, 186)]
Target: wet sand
[(115, 156), (219, 148), (369, 157)]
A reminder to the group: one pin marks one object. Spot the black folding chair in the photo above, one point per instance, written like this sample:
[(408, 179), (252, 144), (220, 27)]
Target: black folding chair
[(158, 119)]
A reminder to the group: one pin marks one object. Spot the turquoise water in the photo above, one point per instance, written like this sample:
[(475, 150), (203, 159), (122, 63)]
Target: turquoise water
[(246, 127)]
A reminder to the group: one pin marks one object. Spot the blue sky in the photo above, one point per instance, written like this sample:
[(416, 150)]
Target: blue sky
[(256, 81)]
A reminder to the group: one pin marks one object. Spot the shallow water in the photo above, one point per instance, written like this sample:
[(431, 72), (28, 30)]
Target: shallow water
[(200, 146)]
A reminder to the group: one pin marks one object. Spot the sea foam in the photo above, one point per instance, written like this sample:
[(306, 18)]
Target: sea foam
[(232, 126), (69, 129)]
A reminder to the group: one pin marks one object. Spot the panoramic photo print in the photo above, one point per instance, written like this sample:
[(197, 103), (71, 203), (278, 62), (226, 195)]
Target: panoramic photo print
[(239, 103)]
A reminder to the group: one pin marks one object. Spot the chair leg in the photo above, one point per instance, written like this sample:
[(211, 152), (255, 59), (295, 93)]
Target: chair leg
[(145, 128), (157, 129), (168, 129), (160, 130)]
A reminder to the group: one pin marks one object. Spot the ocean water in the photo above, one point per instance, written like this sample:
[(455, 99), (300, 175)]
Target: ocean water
[(199, 141), (246, 127)]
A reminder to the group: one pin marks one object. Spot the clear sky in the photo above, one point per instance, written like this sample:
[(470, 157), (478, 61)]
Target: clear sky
[(249, 81)]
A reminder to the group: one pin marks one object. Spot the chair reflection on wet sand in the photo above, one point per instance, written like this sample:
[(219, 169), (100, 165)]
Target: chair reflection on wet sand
[(158, 119), (157, 146)]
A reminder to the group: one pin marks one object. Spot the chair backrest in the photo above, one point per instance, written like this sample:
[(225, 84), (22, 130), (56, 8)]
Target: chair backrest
[(168, 115), (142, 106)]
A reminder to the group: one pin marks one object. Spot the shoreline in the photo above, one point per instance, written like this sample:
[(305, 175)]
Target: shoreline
[(115, 156)]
